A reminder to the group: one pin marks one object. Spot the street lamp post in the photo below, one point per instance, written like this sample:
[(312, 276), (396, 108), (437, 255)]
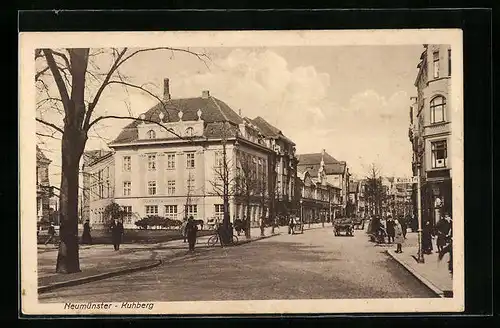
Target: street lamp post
[(301, 217), (420, 254)]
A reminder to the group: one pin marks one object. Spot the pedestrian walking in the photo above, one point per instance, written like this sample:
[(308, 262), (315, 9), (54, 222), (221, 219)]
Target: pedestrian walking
[(51, 231), (262, 226), (390, 230), (398, 236), (191, 231), (86, 237), (404, 226), (116, 233), (443, 229), (183, 229), (427, 238), (291, 225), (448, 241)]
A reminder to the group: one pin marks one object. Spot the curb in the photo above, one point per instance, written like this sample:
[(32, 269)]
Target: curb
[(81, 281), (423, 280), (101, 276)]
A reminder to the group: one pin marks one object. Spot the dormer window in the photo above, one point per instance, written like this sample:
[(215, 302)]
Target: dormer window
[(151, 134), (189, 132)]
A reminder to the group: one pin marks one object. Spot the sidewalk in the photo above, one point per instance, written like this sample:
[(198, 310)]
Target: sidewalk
[(101, 261), (433, 273)]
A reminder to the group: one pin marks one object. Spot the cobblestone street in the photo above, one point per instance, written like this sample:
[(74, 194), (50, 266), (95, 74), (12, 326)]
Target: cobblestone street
[(314, 265)]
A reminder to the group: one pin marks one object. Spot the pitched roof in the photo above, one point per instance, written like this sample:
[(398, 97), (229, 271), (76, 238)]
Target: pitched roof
[(312, 162), (315, 158), (269, 130), (335, 168), (40, 156), (213, 111), (92, 156)]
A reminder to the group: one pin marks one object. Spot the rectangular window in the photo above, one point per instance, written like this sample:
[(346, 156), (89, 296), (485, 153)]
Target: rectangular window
[(190, 160), (438, 107), (449, 62), (219, 212), (190, 183), (171, 187), (436, 64), (439, 154), (127, 214), (219, 159), (152, 162), (152, 188), (151, 210), (127, 186), (171, 212), (191, 210), (170, 161), (127, 163)]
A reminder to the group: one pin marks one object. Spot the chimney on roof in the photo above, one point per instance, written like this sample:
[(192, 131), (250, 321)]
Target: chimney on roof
[(205, 94), (166, 89), (239, 111)]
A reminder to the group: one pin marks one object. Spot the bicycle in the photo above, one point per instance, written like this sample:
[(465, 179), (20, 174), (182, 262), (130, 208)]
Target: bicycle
[(214, 240)]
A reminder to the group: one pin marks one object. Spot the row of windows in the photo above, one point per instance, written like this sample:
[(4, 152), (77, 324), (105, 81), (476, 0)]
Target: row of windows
[(171, 211), (189, 132), (152, 187), (190, 162)]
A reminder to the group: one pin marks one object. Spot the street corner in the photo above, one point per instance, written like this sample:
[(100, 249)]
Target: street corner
[(52, 282)]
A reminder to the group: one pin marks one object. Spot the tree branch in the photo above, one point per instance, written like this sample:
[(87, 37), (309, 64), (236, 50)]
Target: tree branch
[(199, 56), (88, 125), (99, 92), (47, 135), (50, 124), (57, 77), (39, 74), (64, 57), (100, 118)]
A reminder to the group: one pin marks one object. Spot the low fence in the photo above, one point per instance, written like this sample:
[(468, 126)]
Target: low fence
[(132, 236)]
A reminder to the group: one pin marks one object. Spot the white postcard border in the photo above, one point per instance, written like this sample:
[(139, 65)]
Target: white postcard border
[(29, 41)]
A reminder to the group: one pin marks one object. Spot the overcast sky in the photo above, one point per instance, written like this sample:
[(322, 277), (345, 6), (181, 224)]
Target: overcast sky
[(352, 101)]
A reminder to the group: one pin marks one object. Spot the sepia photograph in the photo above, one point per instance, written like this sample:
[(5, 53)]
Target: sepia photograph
[(237, 172)]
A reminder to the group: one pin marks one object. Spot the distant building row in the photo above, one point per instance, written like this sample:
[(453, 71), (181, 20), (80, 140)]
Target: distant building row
[(170, 162)]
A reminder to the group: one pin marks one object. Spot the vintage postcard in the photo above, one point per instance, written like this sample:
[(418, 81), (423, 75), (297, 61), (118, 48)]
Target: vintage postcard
[(241, 172)]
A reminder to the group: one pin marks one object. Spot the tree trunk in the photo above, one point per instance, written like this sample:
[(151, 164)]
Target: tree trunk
[(226, 232), (247, 223), (67, 257)]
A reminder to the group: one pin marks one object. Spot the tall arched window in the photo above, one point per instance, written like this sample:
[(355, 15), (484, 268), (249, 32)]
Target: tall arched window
[(151, 134), (438, 107), (189, 132)]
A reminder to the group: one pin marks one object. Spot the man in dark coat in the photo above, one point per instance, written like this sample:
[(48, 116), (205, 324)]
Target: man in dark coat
[(404, 225), (390, 230), (443, 229), (116, 234), (427, 238), (191, 230), (86, 237)]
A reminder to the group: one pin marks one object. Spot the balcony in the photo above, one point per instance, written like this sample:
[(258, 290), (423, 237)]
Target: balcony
[(438, 128), (438, 174)]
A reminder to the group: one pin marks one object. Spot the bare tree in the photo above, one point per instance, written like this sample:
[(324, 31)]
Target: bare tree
[(80, 82), (247, 184), (374, 191), (223, 182)]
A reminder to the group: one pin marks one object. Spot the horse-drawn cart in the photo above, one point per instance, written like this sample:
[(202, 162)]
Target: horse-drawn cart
[(343, 225)]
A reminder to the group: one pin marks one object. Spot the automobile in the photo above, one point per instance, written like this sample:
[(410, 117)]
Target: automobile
[(345, 225)]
